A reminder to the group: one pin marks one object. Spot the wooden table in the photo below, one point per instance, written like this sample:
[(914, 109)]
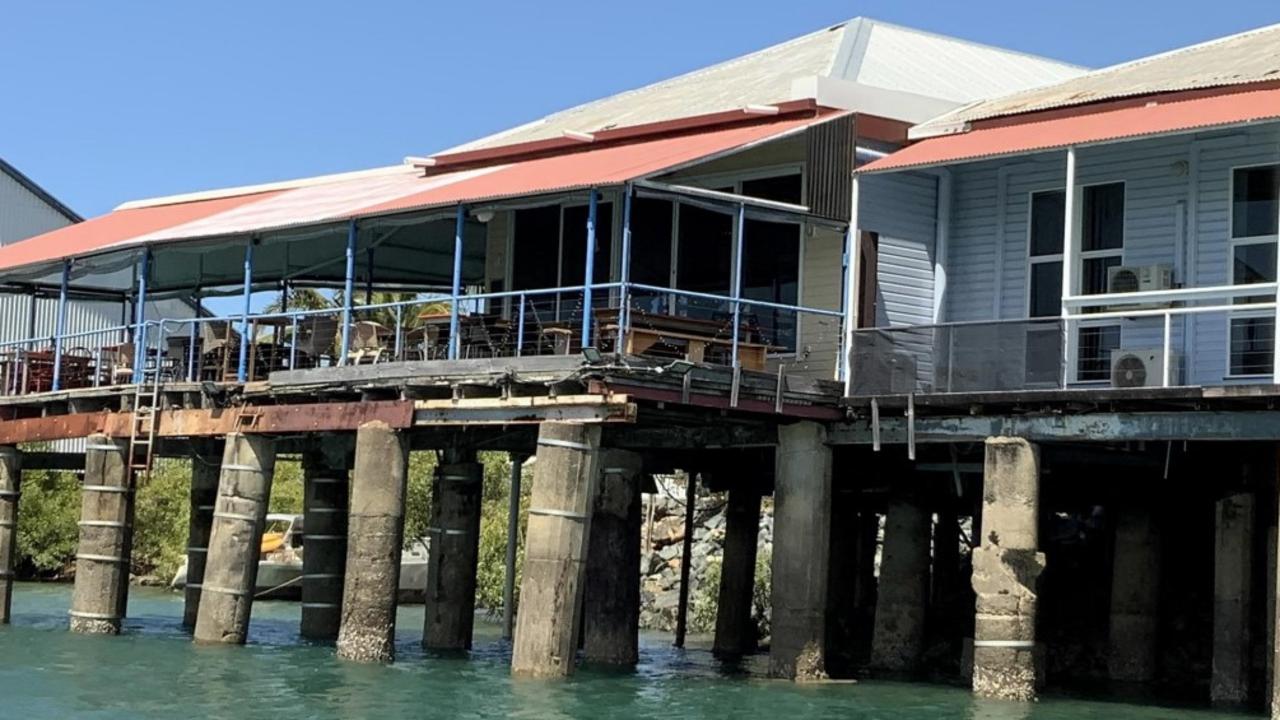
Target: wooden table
[(697, 336)]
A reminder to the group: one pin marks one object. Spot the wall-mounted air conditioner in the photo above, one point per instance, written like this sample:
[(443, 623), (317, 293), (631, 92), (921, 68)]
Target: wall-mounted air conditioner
[(1134, 368), (1139, 278)]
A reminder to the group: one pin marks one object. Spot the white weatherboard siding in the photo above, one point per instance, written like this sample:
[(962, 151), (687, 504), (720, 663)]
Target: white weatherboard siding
[(901, 210), (1177, 211)]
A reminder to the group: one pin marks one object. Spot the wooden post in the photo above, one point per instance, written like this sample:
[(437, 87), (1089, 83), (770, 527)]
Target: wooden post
[(686, 556), (556, 546)]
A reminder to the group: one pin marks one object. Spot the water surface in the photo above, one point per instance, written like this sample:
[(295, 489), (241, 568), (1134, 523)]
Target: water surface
[(154, 671)]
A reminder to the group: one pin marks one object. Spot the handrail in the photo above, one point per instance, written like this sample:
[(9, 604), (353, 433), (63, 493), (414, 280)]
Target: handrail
[(1214, 292)]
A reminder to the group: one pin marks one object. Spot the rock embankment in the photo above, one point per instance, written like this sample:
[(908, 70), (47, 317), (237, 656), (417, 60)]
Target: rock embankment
[(662, 535)]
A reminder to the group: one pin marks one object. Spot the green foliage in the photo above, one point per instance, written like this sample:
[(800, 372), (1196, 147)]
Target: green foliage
[(47, 515), (491, 571), (705, 601), (286, 487), (760, 596), (161, 515), (417, 500)]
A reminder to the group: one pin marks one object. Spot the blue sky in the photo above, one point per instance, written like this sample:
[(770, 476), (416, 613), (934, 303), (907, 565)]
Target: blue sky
[(110, 101)]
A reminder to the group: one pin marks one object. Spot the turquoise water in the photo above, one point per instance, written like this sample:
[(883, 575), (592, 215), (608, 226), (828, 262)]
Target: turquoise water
[(154, 671)]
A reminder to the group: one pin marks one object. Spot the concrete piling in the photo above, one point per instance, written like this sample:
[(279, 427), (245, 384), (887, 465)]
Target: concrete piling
[(375, 534), (611, 600), (735, 621), (10, 490), (1232, 600), (206, 466), (1006, 572), (325, 478), (1135, 597), (898, 638), (100, 597), (801, 527), (454, 530), (565, 481), (235, 542)]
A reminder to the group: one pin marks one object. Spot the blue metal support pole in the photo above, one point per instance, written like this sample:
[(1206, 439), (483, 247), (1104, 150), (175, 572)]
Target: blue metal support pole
[(140, 318), (589, 274), (624, 311), (242, 369), (368, 279), (60, 325), (737, 277), (455, 344), (348, 288)]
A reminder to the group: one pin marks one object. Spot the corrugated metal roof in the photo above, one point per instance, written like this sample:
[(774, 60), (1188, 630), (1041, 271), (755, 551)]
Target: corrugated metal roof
[(251, 210), (862, 51), (1131, 122), (1248, 57)]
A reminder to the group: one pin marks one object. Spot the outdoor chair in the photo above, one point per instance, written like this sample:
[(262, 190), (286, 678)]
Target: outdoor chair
[(366, 346), (316, 335), (121, 360), (221, 342)]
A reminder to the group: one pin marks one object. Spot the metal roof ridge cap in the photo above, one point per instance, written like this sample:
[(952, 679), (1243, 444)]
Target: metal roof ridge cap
[(260, 188), (612, 136)]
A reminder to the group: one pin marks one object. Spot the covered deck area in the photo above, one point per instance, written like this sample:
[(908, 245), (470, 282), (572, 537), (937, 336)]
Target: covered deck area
[(554, 248)]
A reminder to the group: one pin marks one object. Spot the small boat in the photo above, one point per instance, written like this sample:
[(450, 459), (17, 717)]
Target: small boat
[(280, 563)]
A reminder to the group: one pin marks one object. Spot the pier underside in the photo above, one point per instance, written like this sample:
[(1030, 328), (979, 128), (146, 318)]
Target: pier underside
[(1104, 540)]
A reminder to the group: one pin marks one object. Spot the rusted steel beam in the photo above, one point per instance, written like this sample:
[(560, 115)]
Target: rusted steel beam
[(53, 427), (815, 412), (264, 419)]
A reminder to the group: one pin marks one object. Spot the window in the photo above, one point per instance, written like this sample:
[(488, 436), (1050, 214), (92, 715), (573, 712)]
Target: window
[(1101, 248), (1047, 212), (537, 238), (1255, 215)]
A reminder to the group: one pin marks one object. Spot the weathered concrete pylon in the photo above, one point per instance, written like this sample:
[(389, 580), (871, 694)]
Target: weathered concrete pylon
[(1006, 572), (235, 543), (206, 466), (449, 617), (325, 478), (801, 546), (375, 533), (10, 490), (611, 601), (735, 623), (100, 597), (565, 481)]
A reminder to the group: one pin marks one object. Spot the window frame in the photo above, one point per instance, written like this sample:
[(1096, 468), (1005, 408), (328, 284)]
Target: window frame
[(1077, 230), (724, 179), (1234, 242)]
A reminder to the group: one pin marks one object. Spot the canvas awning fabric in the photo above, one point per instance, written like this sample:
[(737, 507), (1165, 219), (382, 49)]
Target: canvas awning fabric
[(200, 242), (1084, 127)]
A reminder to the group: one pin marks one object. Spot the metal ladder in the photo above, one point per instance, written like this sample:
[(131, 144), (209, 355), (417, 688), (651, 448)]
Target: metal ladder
[(142, 434)]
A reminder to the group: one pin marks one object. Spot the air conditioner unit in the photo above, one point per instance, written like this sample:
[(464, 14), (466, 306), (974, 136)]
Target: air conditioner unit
[(1139, 278), (1141, 368)]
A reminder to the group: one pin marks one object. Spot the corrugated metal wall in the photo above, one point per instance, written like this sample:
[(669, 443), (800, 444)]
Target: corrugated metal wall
[(830, 168), (23, 214)]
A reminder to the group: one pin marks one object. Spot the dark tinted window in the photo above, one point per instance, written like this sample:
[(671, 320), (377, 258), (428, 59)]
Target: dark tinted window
[(535, 248), (1046, 289), (784, 188), (1047, 211), (1255, 209), (1103, 218)]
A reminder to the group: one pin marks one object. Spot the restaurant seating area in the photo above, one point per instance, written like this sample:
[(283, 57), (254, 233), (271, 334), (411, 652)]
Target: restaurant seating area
[(313, 339)]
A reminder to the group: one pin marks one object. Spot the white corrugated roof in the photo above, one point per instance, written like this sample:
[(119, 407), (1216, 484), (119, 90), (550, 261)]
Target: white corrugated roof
[(1248, 57), (866, 55)]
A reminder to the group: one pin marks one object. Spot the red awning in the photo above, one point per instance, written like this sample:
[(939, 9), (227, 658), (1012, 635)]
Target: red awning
[(323, 200), (1087, 128)]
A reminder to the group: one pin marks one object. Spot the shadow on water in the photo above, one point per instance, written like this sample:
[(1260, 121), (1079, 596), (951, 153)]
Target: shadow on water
[(154, 671)]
